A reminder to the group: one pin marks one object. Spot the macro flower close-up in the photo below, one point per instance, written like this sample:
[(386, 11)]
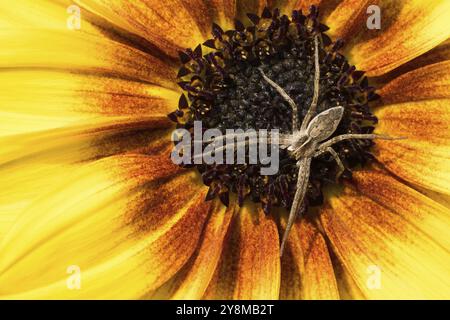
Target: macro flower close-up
[(94, 95)]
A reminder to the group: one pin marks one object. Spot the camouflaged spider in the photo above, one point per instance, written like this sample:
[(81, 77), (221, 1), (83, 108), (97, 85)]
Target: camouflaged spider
[(308, 139)]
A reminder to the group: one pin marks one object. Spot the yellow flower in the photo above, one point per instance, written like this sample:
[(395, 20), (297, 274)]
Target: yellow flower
[(87, 180)]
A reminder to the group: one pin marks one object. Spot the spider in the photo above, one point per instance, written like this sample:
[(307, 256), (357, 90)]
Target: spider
[(308, 139)]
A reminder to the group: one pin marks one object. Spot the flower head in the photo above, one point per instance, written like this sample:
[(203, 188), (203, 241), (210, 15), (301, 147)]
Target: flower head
[(86, 141)]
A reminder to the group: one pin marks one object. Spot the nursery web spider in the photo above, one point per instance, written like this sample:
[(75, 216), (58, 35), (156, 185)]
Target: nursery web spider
[(308, 139)]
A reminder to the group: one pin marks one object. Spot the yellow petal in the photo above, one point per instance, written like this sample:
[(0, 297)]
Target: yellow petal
[(347, 18), (423, 157), (55, 77), (45, 14), (64, 99), (81, 52), (289, 5), (438, 54), (122, 220), (441, 53), (440, 198), (193, 279), (201, 269), (429, 82), (250, 6), (32, 164), (43, 100), (417, 209), (7, 219), (392, 240), (170, 26), (81, 143), (43, 40), (348, 288), (250, 263), (408, 29), (224, 12), (306, 268)]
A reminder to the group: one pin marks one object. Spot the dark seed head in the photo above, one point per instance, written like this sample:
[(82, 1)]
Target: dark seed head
[(224, 89)]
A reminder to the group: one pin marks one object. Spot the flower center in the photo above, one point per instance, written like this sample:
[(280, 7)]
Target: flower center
[(225, 89)]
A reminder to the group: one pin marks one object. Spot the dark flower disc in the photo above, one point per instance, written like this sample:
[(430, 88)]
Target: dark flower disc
[(224, 89)]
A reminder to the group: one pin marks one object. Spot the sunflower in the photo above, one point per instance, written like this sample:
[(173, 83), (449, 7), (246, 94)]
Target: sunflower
[(88, 184)]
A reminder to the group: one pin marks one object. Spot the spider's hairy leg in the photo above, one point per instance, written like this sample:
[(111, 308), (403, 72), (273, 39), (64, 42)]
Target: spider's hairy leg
[(285, 96), (341, 167), (283, 140), (348, 136), (225, 146), (313, 106), (304, 165)]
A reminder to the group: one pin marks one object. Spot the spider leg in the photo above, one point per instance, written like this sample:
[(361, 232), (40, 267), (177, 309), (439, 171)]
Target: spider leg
[(302, 184), (224, 147), (312, 108), (341, 167), (348, 136), (283, 141), (286, 97)]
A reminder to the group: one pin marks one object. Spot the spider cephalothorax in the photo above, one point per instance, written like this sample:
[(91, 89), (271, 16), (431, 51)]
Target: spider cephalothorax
[(279, 73)]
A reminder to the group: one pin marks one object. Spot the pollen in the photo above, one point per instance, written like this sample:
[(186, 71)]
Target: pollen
[(224, 88)]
